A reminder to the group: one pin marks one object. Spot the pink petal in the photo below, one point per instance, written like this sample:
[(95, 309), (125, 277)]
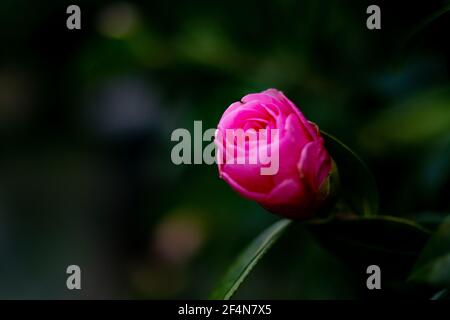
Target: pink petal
[(314, 165)]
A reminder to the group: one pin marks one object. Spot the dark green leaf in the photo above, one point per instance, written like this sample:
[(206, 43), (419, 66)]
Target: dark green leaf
[(392, 243), (357, 183), (430, 219), (248, 260), (433, 265)]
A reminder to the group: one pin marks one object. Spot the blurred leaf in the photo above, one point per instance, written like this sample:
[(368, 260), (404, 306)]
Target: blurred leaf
[(423, 25), (430, 219), (390, 242), (443, 294), (357, 183), (433, 171), (418, 120), (248, 260), (433, 265)]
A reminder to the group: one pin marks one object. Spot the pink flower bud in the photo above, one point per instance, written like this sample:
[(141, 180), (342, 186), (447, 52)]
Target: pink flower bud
[(280, 162)]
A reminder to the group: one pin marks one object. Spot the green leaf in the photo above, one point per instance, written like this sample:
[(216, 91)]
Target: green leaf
[(390, 242), (433, 265), (391, 129), (356, 182), (248, 260)]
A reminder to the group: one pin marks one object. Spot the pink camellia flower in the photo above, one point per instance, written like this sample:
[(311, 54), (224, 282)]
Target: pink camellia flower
[(298, 184)]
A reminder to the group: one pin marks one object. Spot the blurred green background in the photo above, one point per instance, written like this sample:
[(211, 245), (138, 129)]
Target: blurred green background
[(86, 117)]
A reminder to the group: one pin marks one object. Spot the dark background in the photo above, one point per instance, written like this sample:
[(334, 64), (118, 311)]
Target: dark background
[(86, 117)]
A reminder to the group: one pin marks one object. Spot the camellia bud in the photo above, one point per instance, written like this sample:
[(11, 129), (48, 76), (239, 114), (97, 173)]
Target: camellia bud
[(269, 152)]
